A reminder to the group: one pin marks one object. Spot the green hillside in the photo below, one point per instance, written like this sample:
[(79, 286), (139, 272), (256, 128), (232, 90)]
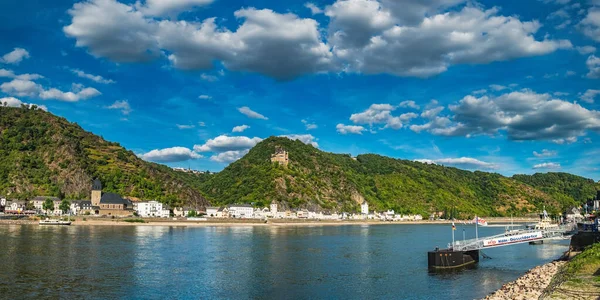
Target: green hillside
[(42, 154), (337, 181)]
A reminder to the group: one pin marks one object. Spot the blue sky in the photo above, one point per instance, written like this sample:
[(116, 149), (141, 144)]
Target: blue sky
[(508, 87)]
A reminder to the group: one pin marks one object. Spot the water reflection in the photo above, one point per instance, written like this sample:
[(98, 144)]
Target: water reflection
[(155, 262)]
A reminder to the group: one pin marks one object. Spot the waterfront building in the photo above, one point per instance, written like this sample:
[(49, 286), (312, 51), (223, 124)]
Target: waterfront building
[(156, 209), (273, 208), (2, 203), (364, 208), (211, 211), (109, 204), (38, 203), (241, 211)]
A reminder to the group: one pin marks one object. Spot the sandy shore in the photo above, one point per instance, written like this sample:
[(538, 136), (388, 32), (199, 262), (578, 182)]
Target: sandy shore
[(529, 286), (230, 222)]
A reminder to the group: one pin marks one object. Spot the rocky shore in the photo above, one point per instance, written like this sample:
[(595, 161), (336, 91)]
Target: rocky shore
[(529, 286)]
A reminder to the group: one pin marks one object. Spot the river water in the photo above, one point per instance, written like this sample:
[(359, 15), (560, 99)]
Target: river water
[(320, 262)]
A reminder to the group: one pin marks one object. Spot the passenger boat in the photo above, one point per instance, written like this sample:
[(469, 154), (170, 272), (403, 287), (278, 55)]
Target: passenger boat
[(54, 222)]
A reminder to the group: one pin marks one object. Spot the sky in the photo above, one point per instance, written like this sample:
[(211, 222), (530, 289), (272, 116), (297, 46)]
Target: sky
[(510, 86)]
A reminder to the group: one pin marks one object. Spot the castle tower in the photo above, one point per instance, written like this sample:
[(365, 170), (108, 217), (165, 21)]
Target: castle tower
[(280, 156), (96, 192)]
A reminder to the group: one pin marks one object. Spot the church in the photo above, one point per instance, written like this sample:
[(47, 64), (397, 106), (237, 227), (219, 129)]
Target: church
[(109, 204)]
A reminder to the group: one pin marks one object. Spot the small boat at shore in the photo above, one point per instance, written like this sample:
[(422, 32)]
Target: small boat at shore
[(54, 222)]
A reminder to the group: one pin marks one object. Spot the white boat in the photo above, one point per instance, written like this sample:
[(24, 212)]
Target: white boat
[(54, 222)]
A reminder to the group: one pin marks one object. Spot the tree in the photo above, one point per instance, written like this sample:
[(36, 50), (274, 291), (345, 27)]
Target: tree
[(192, 213), (65, 206), (48, 205)]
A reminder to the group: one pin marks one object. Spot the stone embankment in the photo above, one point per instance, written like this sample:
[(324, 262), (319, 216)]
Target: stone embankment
[(529, 286)]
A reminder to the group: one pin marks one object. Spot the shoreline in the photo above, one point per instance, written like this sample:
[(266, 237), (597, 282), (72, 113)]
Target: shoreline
[(252, 222), (530, 285)]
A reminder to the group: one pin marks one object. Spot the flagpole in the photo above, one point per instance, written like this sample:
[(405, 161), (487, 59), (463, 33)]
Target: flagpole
[(453, 228), (476, 224)]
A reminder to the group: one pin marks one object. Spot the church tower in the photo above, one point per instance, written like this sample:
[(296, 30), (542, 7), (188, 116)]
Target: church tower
[(96, 192)]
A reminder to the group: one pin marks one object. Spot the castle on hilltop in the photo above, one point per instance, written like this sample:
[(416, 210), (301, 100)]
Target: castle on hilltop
[(280, 156)]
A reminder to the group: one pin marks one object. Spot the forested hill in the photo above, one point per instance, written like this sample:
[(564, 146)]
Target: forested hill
[(42, 154), (317, 179)]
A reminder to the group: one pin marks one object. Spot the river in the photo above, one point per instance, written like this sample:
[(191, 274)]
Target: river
[(249, 262)]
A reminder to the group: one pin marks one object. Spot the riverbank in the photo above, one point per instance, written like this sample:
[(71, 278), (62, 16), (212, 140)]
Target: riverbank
[(92, 221)]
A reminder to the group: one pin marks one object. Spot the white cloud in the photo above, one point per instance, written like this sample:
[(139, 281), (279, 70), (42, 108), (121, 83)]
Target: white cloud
[(460, 162), (184, 126), (562, 141), (305, 138), (586, 50), (169, 7), (14, 57), (497, 87), (174, 154), (381, 114), (314, 9), (28, 88), (229, 156), (204, 97), (208, 77), (408, 38), (14, 102), (548, 165), (570, 73), (95, 78), (201, 124), (240, 128), (590, 25), (545, 153), (122, 105), (589, 96), (523, 115), (308, 125), (560, 94), (409, 104), (479, 92), (225, 143), (593, 65), (345, 129), (113, 30), (11, 74), (251, 114)]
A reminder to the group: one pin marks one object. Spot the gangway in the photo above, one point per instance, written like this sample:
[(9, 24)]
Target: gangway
[(512, 237)]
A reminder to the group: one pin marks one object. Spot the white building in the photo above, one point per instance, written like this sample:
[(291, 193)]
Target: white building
[(147, 209), (273, 208), (241, 211), (212, 211), (364, 208)]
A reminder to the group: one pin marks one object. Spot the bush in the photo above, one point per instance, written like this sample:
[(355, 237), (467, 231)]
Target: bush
[(135, 220)]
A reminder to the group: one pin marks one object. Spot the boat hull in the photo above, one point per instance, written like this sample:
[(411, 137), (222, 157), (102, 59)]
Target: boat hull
[(55, 223), (448, 259)]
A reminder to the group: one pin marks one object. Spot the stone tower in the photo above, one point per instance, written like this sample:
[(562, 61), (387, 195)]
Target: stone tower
[(280, 156), (96, 192)]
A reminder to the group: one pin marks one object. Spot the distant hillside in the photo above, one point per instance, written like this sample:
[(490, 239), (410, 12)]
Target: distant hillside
[(320, 180), (563, 186), (42, 154)]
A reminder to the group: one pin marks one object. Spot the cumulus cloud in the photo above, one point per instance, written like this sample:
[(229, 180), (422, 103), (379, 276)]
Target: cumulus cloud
[(14, 57), (460, 162), (225, 143), (14, 102), (586, 50), (407, 38), (229, 156), (166, 7), (314, 9), (497, 87), (409, 104), (308, 125), (251, 114), (204, 97), (547, 165), (11, 74), (174, 154), (114, 30), (345, 129), (589, 96), (122, 105), (429, 47), (523, 115), (240, 128), (95, 78), (305, 138), (544, 153), (590, 25), (28, 88), (381, 114), (593, 65)]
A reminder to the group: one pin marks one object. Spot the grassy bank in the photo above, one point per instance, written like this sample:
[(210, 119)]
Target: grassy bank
[(579, 278)]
